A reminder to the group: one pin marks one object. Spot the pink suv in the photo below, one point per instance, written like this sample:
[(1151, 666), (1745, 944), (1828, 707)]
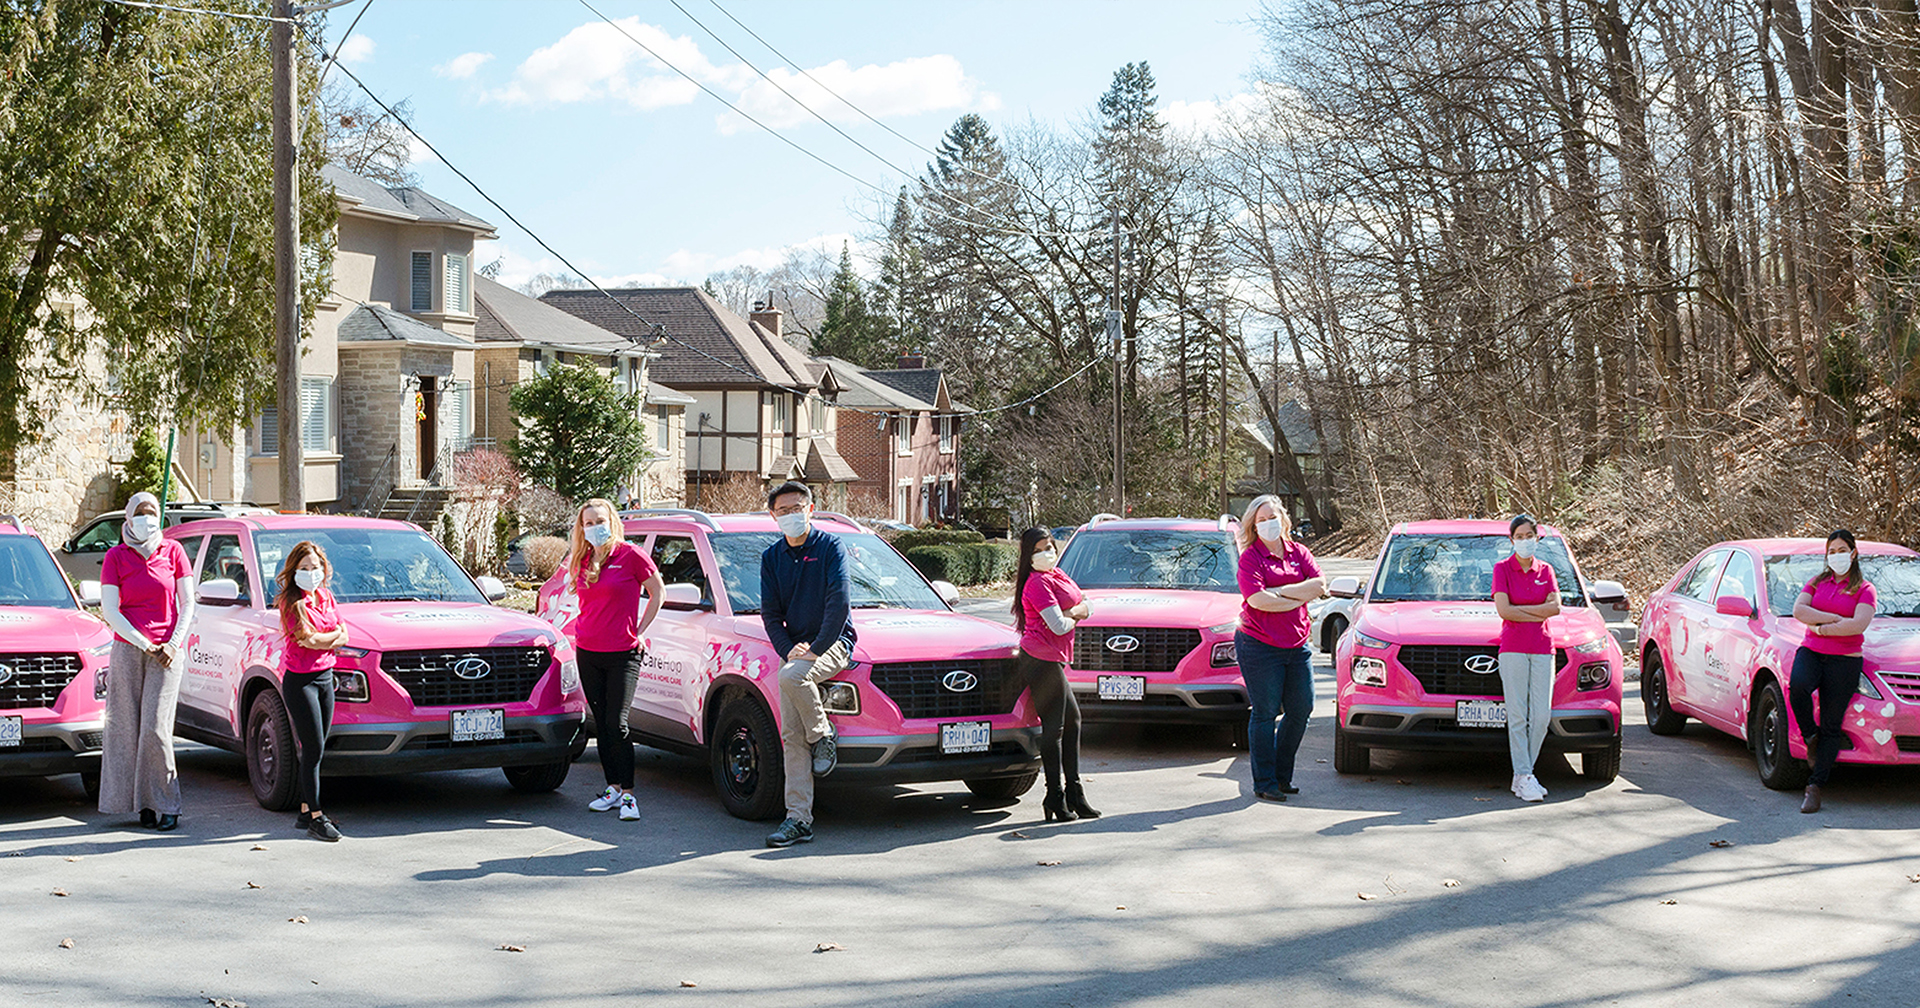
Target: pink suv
[(1719, 639), (930, 695), (53, 664), (1163, 599), (1418, 669), (435, 677)]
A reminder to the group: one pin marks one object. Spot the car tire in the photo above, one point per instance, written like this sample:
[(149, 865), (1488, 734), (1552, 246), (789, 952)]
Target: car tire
[(273, 763), (745, 755), (1349, 756), (539, 778), (91, 783), (1002, 789), (1771, 754), (1331, 632), (1662, 719), (1601, 766)]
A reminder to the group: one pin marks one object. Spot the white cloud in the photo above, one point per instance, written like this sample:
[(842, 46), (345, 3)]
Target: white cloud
[(356, 49), (596, 61), (1204, 117), (417, 152), (903, 88), (463, 66), (693, 266)]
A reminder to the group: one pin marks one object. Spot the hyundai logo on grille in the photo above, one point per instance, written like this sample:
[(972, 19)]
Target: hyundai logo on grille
[(959, 681), (1482, 664), (472, 668), (1122, 643), (6, 673)]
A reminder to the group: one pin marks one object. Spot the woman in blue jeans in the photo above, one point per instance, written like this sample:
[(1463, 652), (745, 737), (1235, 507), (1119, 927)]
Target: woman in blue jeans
[(1278, 578)]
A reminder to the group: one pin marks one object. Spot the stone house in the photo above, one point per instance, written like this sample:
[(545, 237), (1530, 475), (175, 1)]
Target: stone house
[(902, 437), (1256, 460)]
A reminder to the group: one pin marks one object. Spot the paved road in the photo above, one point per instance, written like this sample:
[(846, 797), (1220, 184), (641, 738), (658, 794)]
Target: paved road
[(1186, 892)]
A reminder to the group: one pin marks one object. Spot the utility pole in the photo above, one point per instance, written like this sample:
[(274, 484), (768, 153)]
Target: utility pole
[(286, 258), (1224, 503), (1114, 336)]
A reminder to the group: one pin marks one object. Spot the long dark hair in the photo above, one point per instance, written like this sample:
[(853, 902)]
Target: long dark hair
[(290, 593), (1853, 575), (1023, 570)]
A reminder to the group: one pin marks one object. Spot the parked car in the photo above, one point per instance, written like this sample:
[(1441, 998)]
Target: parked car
[(1330, 619), (433, 677), (1719, 640), (53, 664), (82, 554), (929, 696), (1163, 601), (1418, 670)]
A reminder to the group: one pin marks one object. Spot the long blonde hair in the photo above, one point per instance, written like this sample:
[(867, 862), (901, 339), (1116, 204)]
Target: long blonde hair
[(580, 559), (1244, 536)]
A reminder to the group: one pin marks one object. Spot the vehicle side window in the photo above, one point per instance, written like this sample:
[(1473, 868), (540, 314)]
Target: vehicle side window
[(1699, 582), (224, 560), (98, 537), (1738, 580), (679, 563), (191, 546)]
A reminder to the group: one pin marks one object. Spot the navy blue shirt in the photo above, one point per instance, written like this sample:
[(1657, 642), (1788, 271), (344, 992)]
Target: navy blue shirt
[(803, 594)]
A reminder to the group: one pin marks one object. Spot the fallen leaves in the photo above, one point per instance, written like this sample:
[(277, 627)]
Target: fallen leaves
[(1119, 908), (509, 948), (1719, 843), (1319, 761), (829, 947), (302, 919), (258, 846), (226, 1003), (1669, 902), (66, 943), (688, 983), (1017, 835), (253, 885), (72, 857), (1046, 864), (1367, 896), (1403, 780), (1451, 883), (1913, 878), (59, 892)]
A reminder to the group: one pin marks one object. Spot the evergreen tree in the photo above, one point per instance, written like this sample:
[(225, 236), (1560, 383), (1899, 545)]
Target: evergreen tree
[(579, 434), (849, 331)]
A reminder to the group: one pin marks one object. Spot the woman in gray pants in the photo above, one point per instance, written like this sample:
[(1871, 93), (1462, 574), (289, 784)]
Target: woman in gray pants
[(146, 597)]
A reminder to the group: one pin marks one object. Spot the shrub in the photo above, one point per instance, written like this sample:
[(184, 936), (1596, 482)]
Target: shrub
[(939, 563), (935, 537), (545, 554), (966, 563), (990, 562)]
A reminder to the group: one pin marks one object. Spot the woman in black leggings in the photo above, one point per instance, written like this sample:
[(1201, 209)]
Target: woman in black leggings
[(1046, 605), (312, 624)]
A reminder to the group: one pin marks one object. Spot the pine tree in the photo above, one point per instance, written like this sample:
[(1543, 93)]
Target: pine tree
[(848, 331)]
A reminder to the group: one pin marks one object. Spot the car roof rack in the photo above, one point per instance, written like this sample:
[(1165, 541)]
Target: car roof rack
[(1103, 516), (1227, 522), (697, 515), (13, 520)]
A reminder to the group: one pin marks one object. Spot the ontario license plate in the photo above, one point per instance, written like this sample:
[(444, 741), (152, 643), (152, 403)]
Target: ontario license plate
[(965, 737), (478, 725), (11, 732), (1123, 687), (1480, 713)]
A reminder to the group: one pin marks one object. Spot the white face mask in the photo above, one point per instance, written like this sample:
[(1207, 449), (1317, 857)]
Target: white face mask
[(1840, 563), (794, 525), (309, 579), (1271, 530), (597, 535), (1045, 560), (1523, 548), (143, 526)]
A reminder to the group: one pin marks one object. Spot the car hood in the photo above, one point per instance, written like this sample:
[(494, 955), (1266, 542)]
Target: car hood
[(1160, 607), (1465, 623), (904, 635), (391, 626), (34, 628), (1894, 642)]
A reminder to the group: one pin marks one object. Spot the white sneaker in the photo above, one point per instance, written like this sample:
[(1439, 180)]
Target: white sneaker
[(1537, 786), (629, 807), (1530, 790), (1514, 787), (607, 800)]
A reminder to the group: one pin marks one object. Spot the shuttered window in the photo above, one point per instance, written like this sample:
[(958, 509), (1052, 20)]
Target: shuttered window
[(316, 414), (422, 281), (456, 283), (270, 431), (462, 416)]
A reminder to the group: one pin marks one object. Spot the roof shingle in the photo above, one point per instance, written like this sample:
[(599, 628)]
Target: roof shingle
[(709, 344)]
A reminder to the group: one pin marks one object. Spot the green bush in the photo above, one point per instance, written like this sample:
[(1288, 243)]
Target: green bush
[(938, 563), (145, 467), (935, 537), (988, 562), (966, 563)]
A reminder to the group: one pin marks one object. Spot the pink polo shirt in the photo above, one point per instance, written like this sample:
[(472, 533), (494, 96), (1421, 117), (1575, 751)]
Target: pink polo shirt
[(610, 606), (147, 585), (322, 617), (1262, 568), (1830, 595), (1525, 588), (1047, 588)]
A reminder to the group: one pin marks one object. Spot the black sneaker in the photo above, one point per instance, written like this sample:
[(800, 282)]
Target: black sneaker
[(826, 756), (322, 828), (301, 820), (791, 832)]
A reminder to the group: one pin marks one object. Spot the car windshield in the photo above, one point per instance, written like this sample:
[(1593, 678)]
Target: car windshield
[(1459, 568), (1895, 580), (1152, 558), (880, 577), (28, 576), (373, 564)]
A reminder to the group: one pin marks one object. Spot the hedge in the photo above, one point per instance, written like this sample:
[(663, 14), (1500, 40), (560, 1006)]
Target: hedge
[(935, 537), (967, 563)]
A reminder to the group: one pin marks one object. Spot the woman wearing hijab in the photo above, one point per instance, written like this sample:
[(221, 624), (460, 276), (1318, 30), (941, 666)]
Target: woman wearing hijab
[(1278, 577), (1046, 605), (146, 597), (1836, 607)]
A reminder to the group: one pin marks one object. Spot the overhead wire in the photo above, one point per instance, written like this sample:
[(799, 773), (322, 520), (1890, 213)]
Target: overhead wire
[(202, 10)]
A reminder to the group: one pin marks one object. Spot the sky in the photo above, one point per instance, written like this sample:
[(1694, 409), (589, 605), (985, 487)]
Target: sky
[(638, 177)]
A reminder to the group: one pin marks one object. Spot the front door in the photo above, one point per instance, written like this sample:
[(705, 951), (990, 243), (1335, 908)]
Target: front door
[(427, 416)]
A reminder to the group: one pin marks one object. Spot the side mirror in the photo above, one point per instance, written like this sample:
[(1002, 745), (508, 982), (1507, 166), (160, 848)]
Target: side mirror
[(89, 593), (492, 587), (947, 592), (1346, 587), (681, 596), (1733, 605), (220, 592), (1608, 592)]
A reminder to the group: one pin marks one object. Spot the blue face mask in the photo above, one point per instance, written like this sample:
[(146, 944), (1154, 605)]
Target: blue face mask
[(794, 525), (1523, 548), (597, 535)]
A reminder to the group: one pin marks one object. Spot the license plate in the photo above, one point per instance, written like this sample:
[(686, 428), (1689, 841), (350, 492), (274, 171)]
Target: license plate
[(1123, 687), (1480, 713), (966, 737), (11, 731), (478, 725)]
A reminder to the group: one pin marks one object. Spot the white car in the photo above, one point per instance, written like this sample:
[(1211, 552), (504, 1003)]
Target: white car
[(1331, 618)]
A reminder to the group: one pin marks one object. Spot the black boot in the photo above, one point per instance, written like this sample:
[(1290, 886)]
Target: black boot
[(1055, 806), (1077, 801)]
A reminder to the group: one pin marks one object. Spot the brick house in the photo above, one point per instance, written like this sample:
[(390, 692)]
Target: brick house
[(761, 409), (908, 455)]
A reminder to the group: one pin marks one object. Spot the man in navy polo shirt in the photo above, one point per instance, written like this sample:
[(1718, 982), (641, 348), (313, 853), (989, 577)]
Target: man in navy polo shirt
[(803, 603)]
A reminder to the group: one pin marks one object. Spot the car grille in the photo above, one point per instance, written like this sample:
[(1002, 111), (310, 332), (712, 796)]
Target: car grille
[(1907, 743), (428, 676), (1441, 668), (37, 679), (1160, 650), (1905, 685), (916, 687)]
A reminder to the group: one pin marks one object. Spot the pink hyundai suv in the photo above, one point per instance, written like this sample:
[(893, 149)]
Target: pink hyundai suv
[(53, 664), (1419, 667), (1163, 602), (433, 677), (930, 695)]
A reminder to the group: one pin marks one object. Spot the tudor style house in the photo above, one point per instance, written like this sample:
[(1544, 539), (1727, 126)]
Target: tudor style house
[(902, 437)]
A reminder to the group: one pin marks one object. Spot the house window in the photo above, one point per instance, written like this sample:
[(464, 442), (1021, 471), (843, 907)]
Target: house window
[(947, 426), (457, 283), (269, 433), (663, 438), (316, 414), (903, 434), (422, 300), (461, 394), (902, 501)]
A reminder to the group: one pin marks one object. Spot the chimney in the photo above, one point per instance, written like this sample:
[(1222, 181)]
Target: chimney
[(911, 360), (767, 316)]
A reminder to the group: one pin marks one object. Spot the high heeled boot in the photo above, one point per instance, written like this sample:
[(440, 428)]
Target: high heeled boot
[(1055, 806), (1077, 801)]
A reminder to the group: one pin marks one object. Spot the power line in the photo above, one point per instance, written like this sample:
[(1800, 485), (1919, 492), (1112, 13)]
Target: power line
[(202, 10), (344, 36)]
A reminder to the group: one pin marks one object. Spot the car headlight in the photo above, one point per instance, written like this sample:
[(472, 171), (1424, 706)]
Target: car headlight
[(101, 650), (350, 685), (1224, 654), (1369, 672), (841, 698), (1595, 646), (1594, 675), (351, 652), (1224, 628), (100, 683), (1365, 640), (569, 676), (1867, 689)]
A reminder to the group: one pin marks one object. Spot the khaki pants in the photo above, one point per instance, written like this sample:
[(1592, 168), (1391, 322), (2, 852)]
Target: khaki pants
[(1527, 680), (136, 761), (803, 721)]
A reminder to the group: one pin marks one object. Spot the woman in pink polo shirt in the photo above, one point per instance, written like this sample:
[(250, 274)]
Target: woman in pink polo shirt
[(1836, 607), (608, 575), (1278, 577), (146, 597), (1526, 595), (1046, 605), (311, 621)]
